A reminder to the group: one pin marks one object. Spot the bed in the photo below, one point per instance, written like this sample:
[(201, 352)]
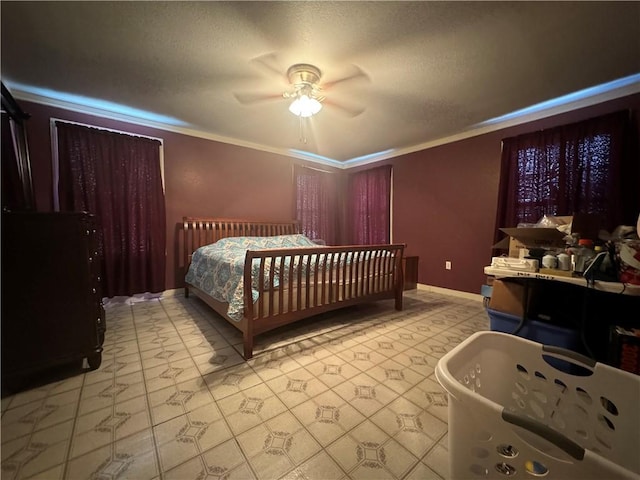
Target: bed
[(263, 275)]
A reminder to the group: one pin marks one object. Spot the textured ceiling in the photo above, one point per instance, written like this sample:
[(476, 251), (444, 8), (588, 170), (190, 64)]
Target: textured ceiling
[(433, 70)]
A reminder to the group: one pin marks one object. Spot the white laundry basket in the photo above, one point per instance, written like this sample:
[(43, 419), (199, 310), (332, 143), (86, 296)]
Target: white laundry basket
[(514, 415)]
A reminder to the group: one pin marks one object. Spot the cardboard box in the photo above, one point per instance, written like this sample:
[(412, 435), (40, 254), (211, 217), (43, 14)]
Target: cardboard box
[(517, 249), (537, 237), (508, 294), (507, 297), (520, 240)]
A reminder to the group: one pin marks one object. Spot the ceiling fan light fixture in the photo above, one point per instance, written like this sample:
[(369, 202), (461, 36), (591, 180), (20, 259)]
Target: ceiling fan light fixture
[(305, 106)]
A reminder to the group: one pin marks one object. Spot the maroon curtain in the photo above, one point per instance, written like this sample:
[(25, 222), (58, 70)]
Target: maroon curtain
[(584, 167), (369, 206), (117, 177), (316, 203)]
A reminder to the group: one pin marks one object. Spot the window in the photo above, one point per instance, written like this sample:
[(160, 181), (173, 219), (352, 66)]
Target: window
[(544, 176), (369, 206), (585, 167), (117, 177), (316, 204)]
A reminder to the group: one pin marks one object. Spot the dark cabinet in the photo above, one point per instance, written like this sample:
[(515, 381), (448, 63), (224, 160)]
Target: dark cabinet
[(52, 309)]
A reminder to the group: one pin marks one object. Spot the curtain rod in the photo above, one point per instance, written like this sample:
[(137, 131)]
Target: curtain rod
[(54, 120), (314, 168)]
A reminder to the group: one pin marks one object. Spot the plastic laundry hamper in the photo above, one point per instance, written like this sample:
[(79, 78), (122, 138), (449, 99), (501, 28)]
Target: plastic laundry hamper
[(513, 415)]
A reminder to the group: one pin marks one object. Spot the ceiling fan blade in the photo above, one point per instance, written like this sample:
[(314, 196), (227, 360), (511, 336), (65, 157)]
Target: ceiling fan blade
[(344, 109), (251, 98), (357, 74), (269, 63)]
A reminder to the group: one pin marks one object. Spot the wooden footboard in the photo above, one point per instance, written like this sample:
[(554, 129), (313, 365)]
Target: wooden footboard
[(297, 283)]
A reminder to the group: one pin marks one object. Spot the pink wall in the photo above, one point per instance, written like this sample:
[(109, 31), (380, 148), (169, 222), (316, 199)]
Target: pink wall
[(444, 207), (444, 197), (202, 177)]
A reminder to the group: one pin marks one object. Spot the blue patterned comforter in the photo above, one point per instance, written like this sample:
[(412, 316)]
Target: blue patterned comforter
[(218, 268)]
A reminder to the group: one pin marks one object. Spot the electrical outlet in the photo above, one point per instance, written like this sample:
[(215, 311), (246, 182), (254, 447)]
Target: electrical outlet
[(447, 265)]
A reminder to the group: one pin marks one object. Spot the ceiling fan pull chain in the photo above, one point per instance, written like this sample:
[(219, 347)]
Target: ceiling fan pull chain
[(303, 138)]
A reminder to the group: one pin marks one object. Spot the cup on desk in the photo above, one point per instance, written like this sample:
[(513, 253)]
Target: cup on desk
[(549, 261), (564, 261)]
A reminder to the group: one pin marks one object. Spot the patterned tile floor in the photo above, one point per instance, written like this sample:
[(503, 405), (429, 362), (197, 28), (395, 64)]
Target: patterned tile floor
[(347, 395)]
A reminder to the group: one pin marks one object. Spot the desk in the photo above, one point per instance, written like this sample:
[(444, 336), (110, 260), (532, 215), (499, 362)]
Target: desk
[(610, 287), (589, 307)]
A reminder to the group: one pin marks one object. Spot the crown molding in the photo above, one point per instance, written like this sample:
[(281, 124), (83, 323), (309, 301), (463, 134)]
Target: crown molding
[(588, 97)]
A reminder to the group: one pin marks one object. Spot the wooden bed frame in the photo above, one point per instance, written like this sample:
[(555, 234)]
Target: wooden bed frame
[(373, 272)]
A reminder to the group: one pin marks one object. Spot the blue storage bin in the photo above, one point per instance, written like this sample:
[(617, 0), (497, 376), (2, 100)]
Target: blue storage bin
[(538, 331)]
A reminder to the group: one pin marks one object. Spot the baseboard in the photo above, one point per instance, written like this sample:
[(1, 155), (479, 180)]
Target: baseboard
[(448, 291)]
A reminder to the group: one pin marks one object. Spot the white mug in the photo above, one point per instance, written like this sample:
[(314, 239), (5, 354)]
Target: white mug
[(549, 261), (564, 261)]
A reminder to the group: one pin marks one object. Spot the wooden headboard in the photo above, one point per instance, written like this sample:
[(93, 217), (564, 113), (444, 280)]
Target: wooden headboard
[(200, 231)]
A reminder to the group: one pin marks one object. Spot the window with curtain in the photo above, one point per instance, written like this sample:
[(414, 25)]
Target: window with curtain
[(584, 167), (118, 178), (369, 206), (316, 204)]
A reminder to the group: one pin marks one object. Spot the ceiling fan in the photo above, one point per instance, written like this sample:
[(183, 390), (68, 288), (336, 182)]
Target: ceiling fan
[(303, 85)]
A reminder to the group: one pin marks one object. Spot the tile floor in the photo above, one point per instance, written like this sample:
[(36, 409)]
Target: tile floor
[(348, 395)]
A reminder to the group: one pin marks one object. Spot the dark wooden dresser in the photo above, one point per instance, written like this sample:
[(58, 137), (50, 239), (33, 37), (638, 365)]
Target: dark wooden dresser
[(52, 309)]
